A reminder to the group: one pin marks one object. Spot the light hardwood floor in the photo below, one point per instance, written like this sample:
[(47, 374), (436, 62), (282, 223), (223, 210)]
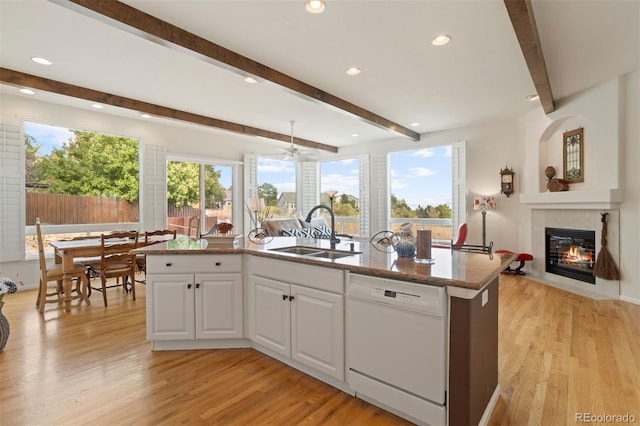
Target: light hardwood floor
[(560, 354)]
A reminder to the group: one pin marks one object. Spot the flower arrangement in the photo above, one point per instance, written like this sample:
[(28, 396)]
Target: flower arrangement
[(7, 286), (224, 227)]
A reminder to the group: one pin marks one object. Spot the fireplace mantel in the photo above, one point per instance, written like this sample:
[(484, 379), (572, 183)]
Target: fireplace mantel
[(596, 199)]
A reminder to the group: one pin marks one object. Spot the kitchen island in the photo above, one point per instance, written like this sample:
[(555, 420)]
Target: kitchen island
[(306, 307)]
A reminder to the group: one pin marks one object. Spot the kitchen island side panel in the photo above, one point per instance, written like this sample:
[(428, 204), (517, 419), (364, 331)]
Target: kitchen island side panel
[(473, 355)]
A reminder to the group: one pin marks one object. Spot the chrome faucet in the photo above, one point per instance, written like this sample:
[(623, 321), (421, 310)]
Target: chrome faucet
[(333, 241)]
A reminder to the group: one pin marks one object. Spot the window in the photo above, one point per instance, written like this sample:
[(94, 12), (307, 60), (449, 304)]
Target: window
[(421, 190), (79, 183), (341, 179), (277, 185), (197, 190)]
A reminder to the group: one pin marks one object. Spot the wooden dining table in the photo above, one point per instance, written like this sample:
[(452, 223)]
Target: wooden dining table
[(66, 251)]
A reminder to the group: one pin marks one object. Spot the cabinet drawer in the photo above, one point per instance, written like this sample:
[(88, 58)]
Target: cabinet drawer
[(194, 263), (297, 273)]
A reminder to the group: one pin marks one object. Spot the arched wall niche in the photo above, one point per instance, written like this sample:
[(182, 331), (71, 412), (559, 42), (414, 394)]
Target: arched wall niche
[(550, 150)]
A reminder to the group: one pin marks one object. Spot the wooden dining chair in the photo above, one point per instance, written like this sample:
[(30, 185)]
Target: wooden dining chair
[(153, 237), (53, 273), (116, 261)]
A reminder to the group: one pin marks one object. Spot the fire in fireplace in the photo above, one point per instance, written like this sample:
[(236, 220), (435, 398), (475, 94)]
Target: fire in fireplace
[(571, 253)]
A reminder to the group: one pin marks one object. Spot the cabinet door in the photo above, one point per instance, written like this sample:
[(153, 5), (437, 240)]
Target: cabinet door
[(269, 314), (170, 309), (218, 304), (317, 330)]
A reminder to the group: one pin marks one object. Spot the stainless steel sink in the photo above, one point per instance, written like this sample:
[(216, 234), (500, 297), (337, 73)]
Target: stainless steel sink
[(316, 252), (302, 250), (334, 254)]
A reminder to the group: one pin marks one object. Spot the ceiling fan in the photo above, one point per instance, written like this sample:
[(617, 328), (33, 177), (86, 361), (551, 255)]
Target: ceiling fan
[(292, 153)]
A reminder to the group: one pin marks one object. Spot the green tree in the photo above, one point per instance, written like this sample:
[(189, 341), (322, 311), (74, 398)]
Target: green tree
[(94, 164), (269, 193), (183, 183), (444, 210), (345, 199), (32, 164), (214, 191), (344, 209), (400, 208)]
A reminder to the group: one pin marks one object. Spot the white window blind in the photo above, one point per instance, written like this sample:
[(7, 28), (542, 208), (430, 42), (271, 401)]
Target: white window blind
[(379, 192), (309, 187), (154, 187), (459, 188), (12, 191), (365, 202), (250, 176)]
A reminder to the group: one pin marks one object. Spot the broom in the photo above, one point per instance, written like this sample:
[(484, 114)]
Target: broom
[(605, 267)]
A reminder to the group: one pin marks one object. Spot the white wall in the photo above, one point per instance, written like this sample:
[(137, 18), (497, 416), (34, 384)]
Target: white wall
[(630, 208), (609, 114)]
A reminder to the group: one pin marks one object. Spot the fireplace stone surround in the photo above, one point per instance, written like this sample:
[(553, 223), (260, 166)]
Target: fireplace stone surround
[(586, 219)]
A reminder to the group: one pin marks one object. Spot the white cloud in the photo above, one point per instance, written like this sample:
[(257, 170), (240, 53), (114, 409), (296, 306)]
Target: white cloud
[(447, 151), (424, 153), (344, 184), (421, 171), (285, 187), (275, 166)]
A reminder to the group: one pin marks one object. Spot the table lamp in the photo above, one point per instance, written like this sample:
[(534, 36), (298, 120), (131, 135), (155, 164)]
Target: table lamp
[(483, 204)]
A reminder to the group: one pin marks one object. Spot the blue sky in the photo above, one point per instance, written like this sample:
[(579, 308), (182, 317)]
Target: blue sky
[(421, 177), (48, 137)]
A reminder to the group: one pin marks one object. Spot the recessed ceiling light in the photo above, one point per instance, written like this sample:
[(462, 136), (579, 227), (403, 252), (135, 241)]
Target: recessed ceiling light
[(27, 91), (415, 124), (97, 106), (355, 135), (249, 79), (354, 71), (441, 40), (41, 61), (145, 115), (315, 6), (533, 97)]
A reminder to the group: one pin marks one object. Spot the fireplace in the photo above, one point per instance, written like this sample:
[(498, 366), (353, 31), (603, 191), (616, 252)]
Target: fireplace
[(570, 253)]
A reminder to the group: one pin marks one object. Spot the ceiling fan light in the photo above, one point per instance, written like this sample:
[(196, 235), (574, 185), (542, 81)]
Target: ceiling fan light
[(315, 6)]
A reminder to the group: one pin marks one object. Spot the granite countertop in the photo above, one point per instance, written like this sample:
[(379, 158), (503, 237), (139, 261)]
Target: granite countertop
[(450, 268)]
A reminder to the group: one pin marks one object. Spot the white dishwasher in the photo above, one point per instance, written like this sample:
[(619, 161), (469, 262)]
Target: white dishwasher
[(397, 346)]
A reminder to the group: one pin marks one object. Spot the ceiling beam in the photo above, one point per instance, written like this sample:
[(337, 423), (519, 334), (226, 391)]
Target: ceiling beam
[(138, 23), (524, 24), (19, 79)]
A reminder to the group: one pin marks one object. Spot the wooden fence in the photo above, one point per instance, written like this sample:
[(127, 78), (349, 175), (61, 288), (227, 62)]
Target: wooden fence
[(58, 209), (61, 209)]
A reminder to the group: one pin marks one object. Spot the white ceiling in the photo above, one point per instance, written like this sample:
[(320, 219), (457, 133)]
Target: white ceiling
[(479, 77)]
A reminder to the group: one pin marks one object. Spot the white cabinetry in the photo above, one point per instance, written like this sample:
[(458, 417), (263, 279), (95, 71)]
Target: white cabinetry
[(194, 297), (297, 311)]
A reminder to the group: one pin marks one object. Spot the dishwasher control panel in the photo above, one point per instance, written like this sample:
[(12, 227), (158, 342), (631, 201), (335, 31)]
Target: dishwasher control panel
[(417, 297), (397, 295)]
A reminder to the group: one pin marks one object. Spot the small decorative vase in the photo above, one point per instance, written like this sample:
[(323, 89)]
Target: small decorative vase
[(406, 248), (4, 329)]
